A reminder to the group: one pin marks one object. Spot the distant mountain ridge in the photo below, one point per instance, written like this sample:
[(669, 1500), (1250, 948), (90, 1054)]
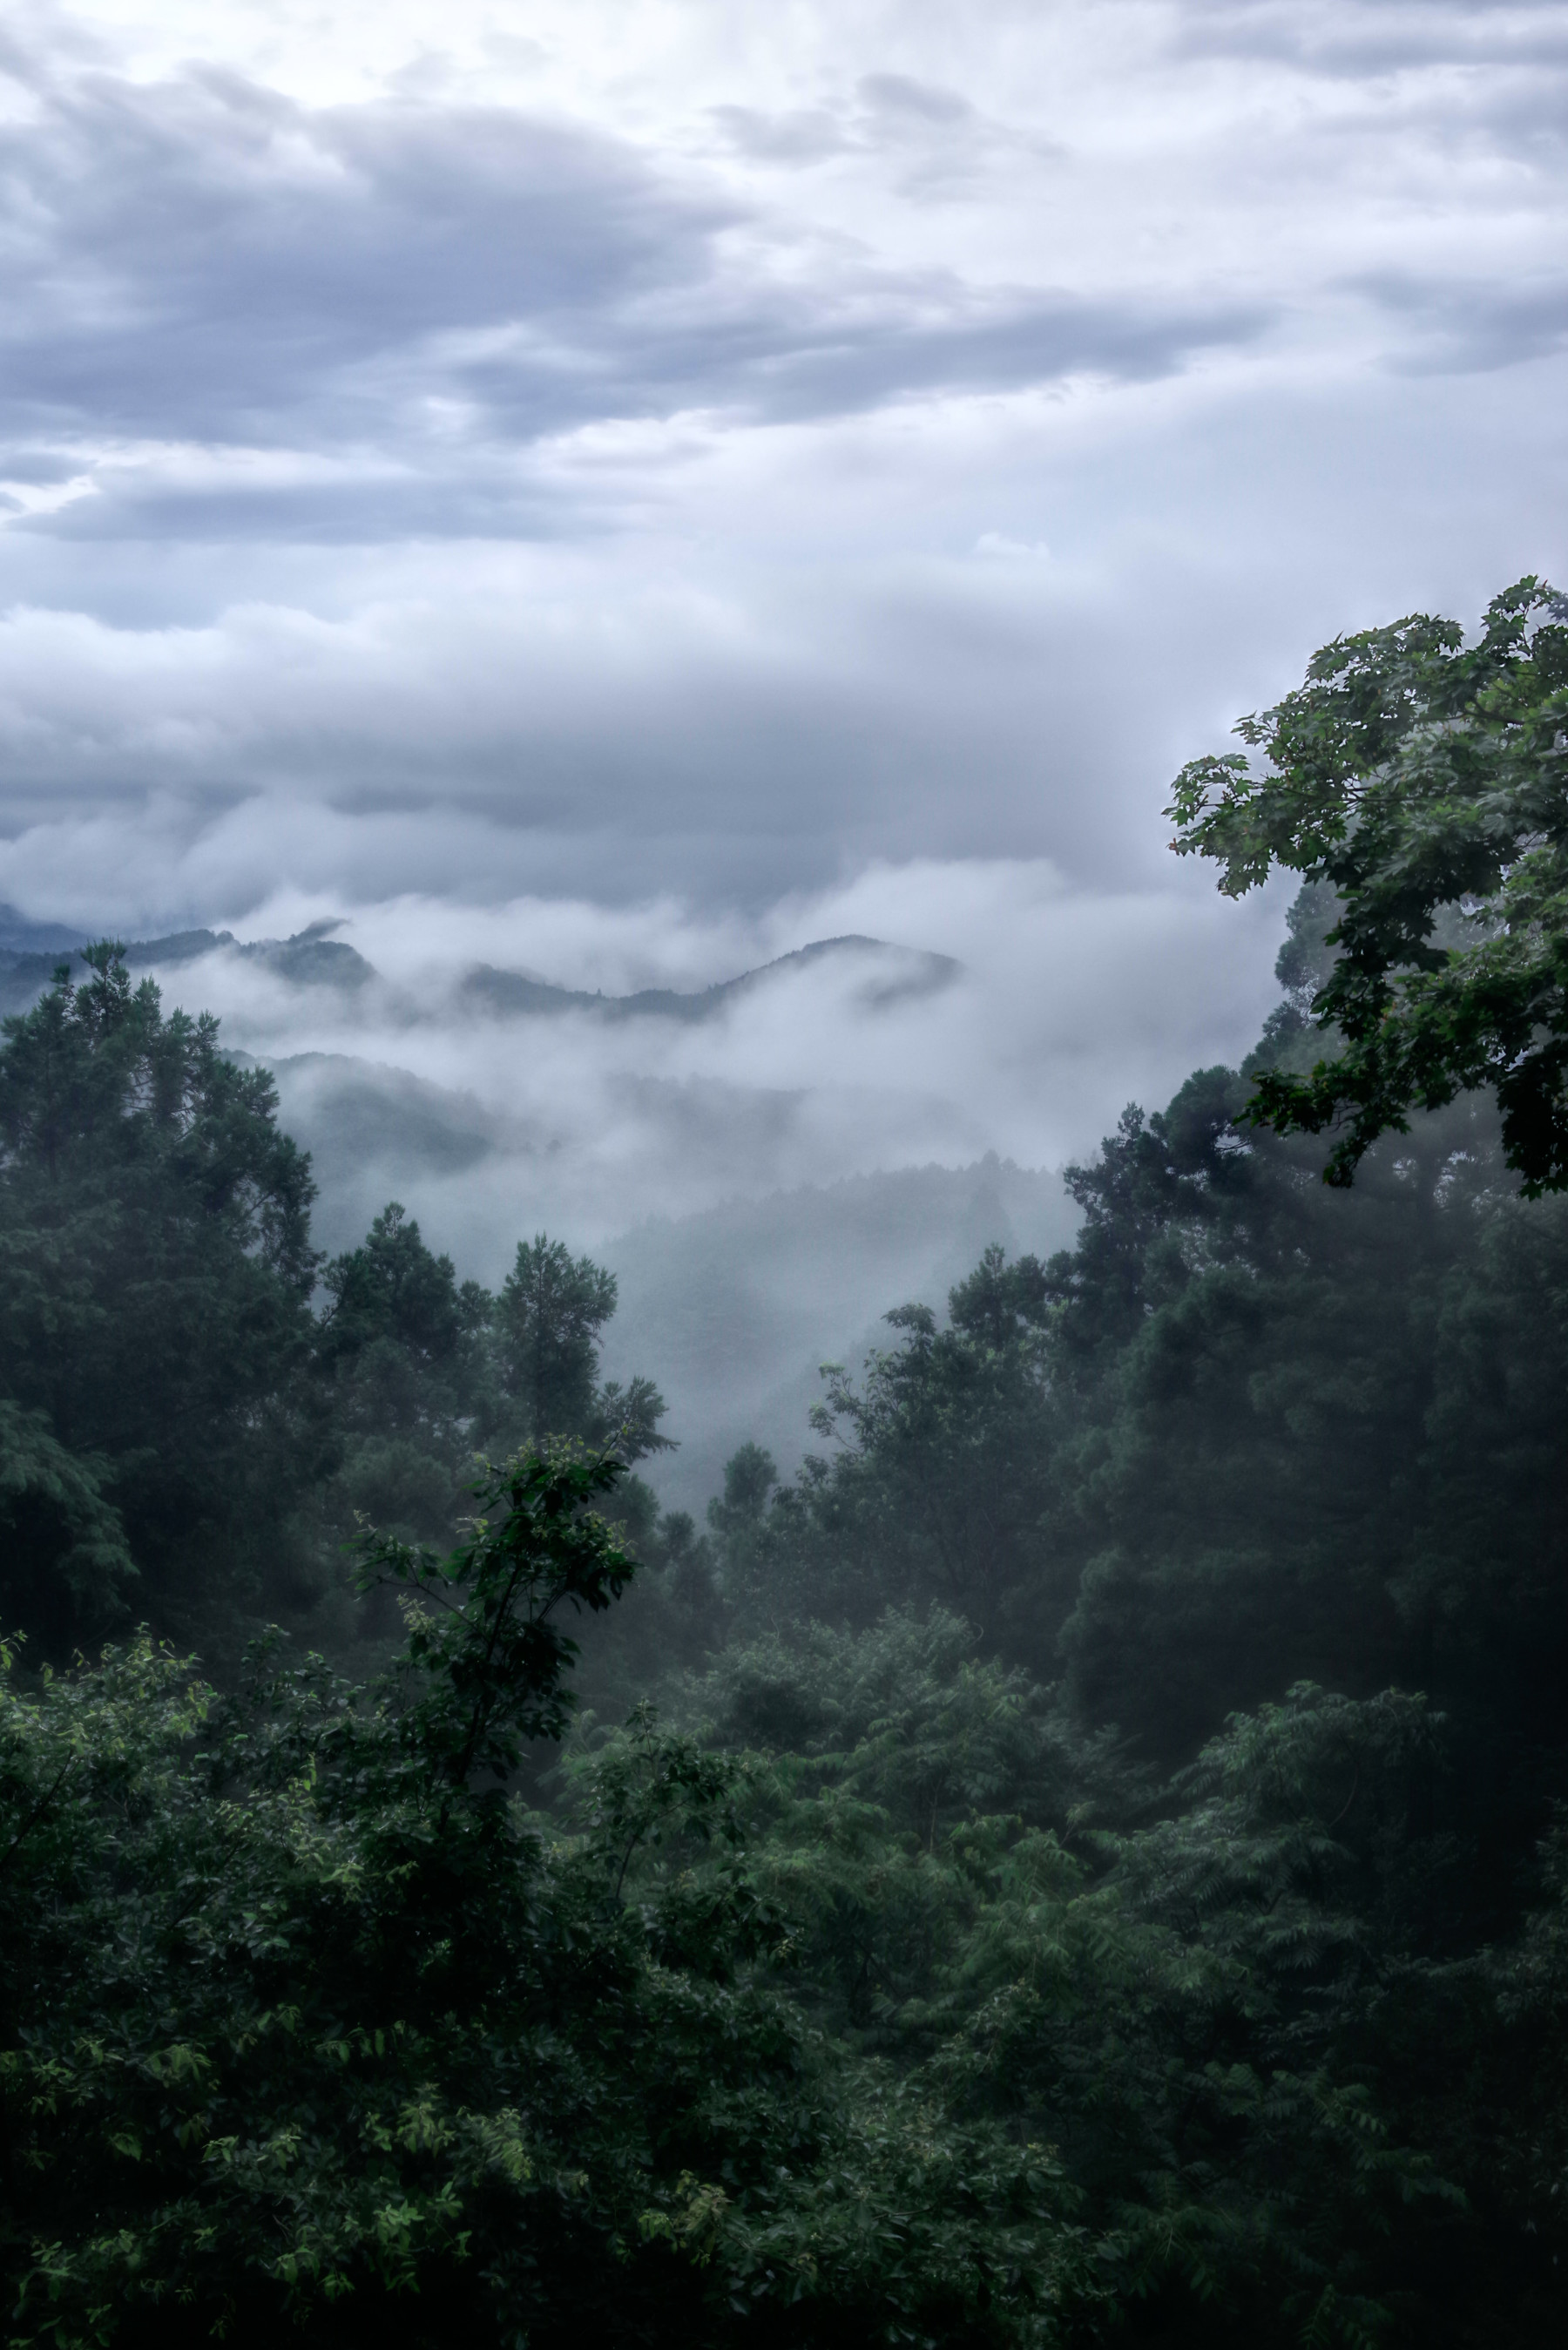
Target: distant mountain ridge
[(19, 934), (731, 1302), (312, 957), (31, 953), (519, 992)]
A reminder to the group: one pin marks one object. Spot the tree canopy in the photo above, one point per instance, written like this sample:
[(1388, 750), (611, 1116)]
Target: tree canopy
[(303, 2019), (1081, 1859), (196, 1408), (156, 1274), (1426, 782)]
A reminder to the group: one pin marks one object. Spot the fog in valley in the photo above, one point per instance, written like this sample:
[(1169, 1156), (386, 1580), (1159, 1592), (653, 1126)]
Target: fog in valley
[(783, 1561), (769, 1144)]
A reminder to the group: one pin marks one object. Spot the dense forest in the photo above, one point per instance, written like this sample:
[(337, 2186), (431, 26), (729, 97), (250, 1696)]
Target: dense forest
[(1082, 1859)]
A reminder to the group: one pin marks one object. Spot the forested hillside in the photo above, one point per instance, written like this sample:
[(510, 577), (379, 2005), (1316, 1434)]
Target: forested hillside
[(1079, 1858)]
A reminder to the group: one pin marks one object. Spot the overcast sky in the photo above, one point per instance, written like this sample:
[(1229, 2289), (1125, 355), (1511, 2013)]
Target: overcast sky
[(725, 459)]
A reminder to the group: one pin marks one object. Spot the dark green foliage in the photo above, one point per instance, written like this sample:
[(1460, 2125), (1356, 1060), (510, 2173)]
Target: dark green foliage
[(942, 1476), (407, 1354), (392, 1289), (549, 1315), (64, 1557), (737, 1517), (1219, 2020), (1292, 2104), (1248, 1430), (1255, 1472), (304, 2020), (1108, 1875), (155, 1278), (181, 1433), (545, 1325), (1421, 779), (426, 1374)]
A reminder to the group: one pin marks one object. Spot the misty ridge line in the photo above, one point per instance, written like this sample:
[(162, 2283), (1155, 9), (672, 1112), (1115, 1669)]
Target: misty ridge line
[(31, 953), (748, 1245), (514, 991), (455, 1058)]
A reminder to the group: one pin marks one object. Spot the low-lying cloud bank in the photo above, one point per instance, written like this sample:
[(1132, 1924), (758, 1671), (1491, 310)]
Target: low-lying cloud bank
[(772, 1128), (497, 1069)]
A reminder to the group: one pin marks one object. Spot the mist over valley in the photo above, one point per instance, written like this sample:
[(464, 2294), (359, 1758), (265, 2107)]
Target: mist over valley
[(756, 1230), (783, 1175)]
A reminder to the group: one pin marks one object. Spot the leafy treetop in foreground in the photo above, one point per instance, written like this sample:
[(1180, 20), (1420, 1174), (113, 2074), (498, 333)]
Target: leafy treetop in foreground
[(308, 2030), (1426, 781)]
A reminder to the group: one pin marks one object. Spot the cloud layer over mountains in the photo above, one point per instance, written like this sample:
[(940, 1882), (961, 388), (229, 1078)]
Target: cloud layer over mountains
[(769, 1143), (609, 493), (625, 452), (576, 1067)]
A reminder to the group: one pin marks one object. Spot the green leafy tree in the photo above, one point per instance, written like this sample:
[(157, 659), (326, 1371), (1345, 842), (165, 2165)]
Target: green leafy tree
[(549, 1315), (1426, 782), (547, 1322), (1295, 1440), (392, 1286), (304, 2020), (1230, 2023), (737, 1518), (942, 1471), (405, 1351), (66, 1560), (1295, 2095), (884, 1745), (1248, 1430), (155, 1279)]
